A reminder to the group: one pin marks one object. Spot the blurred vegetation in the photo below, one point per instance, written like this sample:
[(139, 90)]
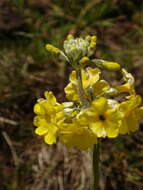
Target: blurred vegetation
[(27, 70)]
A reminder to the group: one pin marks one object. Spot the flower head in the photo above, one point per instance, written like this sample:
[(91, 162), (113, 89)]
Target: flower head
[(92, 112), (129, 85), (131, 114), (75, 135), (49, 116), (103, 118)]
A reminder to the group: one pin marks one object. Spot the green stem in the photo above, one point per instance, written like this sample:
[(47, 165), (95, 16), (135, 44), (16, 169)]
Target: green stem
[(80, 89), (95, 167)]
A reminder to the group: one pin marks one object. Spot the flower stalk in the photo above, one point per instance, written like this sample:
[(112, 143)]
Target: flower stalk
[(80, 89), (95, 150), (95, 166)]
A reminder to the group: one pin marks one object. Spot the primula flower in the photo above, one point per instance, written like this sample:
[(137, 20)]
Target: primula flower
[(131, 113), (92, 112), (102, 117), (75, 135), (129, 85), (49, 117), (91, 82)]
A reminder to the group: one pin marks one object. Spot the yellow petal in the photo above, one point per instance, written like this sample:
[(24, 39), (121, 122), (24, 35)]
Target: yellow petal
[(39, 109), (100, 105), (133, 124), (125, 88), (50, 137), (112, 129), (100, 87), (50, 97), (98, 128), (79, 137), (72, 77), (41, 130), (36, 121), (129, 85), (127, 106), (94, 75), (123, 129), (139, 112), (71, 92)]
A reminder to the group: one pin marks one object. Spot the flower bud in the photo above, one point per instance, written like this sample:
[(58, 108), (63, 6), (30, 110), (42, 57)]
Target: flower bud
[(84, 60), (52, 49), (93, 38), (111, 66), (92, 45), (75, 48), (69, 37)]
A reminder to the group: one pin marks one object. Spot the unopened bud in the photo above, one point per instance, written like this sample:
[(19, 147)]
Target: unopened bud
[(69, 37), (111, 66), (84, 60), (92, 44), (88, 38), (93, 38), (52, 49)]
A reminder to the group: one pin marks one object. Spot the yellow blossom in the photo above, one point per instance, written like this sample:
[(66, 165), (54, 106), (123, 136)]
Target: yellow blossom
[(91, 113), (100, 87), (75, 135), (129, 85), (102, 117), (90, 78), (49, 116), (131, 114)]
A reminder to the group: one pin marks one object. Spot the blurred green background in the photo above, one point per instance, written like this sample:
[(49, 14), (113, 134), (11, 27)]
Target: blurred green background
[(27, 70)]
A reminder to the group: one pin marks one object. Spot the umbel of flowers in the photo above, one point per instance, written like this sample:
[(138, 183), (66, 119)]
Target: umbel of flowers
[(92, 110)]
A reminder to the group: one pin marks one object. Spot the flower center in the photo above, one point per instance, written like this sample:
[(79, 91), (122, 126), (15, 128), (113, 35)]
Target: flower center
[(101, 117)]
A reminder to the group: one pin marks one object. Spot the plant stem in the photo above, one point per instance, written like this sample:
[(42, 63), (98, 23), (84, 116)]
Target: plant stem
[(95, 167), (95, 151), (80, 89)]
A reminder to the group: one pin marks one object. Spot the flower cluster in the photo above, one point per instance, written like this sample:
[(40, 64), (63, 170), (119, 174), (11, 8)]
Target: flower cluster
[(93, 110)]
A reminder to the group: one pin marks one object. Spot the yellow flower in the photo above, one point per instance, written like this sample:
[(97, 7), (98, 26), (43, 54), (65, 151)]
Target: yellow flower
[(103, 117), (90, 79), (75, 135), (100, 87), (129, 85), (49, 116), (131, 113)]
